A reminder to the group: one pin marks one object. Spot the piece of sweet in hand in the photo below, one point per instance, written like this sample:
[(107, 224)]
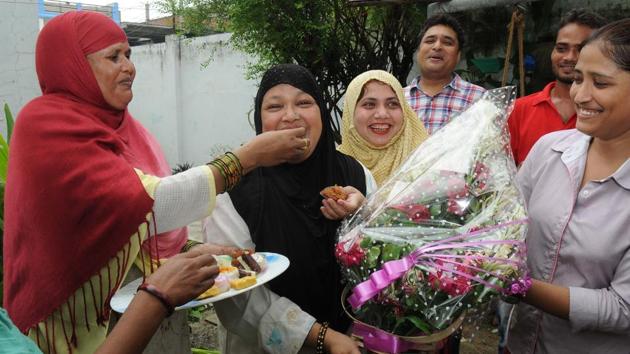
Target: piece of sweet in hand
[(334, 192)]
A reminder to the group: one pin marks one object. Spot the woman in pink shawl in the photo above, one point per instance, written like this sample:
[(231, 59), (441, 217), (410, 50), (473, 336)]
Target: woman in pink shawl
[(89, 190)]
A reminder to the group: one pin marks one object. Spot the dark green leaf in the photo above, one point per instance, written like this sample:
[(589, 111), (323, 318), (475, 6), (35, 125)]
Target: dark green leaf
[(371, 258), (365, 243), (435, 209), (420, 324), (10, 122), (391, 252)]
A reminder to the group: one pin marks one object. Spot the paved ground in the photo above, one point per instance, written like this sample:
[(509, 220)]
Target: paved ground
[(203, 331), (479, 340)]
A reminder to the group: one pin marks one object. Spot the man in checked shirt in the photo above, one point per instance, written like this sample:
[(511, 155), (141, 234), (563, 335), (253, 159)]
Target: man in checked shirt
[(439, 93)]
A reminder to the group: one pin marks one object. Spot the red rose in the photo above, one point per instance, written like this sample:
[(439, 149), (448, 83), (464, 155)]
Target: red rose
[(453, 207), (481, 175), (415, 212), (456, 188), (352, 257), (418, 213), (451, 283)]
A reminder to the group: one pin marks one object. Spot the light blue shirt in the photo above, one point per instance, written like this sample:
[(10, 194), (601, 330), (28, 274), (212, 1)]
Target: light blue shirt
[(12, 341), (580, 239)]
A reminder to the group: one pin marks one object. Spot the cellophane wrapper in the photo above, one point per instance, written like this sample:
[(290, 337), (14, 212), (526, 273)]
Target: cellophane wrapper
[(453, 209)]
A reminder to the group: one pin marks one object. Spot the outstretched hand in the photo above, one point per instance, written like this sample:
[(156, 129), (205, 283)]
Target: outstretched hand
[(337, 210), (185, 276)]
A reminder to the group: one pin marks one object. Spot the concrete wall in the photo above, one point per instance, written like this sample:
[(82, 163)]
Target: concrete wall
[(190, 93), (192, 108), (18, 31)]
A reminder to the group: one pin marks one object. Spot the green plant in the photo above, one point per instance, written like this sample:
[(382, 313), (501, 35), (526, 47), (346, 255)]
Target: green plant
[(196, 314), (4, 159), (331, 38), (181, 167)]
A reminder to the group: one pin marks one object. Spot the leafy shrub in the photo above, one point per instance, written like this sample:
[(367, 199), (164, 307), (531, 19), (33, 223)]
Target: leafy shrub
[(4, 159)]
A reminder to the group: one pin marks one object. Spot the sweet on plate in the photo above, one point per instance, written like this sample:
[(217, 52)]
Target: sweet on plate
[(236, 271)]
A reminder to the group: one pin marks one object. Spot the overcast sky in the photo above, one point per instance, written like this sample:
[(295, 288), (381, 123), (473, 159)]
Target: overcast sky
[(130, 10)]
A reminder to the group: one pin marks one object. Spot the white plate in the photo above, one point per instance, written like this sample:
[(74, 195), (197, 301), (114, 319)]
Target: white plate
[(276, 265)]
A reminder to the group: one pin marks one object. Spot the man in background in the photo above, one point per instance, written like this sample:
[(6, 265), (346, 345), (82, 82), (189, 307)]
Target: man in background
[(552, 109), (439, 92)]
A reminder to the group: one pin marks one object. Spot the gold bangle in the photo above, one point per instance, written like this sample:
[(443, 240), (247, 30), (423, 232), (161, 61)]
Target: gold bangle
[(190, 244), (235, 158), (234, 167), (230, 168), (219, 165)]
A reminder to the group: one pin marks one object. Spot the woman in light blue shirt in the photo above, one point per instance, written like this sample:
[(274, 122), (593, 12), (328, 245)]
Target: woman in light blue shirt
[(577, 186)]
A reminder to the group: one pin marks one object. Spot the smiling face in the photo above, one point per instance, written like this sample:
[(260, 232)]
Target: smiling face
[(567, 49), (378, 115), (114, 73), (438, 53), (600, 93), (285, 107)]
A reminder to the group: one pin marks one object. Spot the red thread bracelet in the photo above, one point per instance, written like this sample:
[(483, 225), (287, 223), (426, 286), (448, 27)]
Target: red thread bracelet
[(160, 296)]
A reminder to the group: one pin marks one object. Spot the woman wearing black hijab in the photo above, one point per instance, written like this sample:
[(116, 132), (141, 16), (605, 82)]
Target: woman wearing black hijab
[(280, 210)]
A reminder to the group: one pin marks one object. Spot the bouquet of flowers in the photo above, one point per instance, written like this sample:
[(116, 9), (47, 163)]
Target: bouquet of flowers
[(443, 235)]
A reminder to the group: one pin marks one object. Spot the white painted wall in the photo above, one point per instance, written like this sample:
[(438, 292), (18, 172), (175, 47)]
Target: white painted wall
[(19, 27), (191, 109)]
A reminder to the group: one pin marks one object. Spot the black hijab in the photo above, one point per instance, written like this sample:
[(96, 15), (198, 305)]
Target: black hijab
[(280, 205)]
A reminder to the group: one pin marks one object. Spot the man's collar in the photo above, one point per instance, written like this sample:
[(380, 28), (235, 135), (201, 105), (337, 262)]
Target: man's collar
[(455, 83), (415, 82), (545, 94)]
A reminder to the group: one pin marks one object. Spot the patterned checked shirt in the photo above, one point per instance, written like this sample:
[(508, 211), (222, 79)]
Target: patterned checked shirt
[(436, 111)]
